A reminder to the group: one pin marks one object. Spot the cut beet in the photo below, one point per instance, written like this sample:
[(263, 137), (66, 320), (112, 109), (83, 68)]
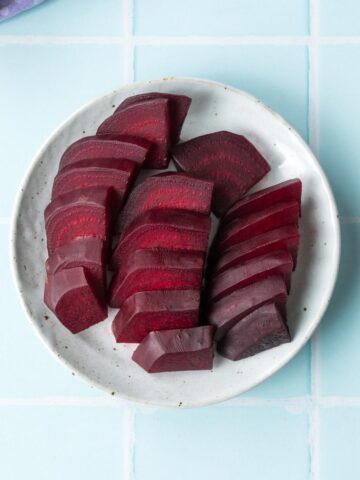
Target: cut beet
[(106, 146), (148, 119), (250, 271), (78, 214), (176, 350), (284, 191), (178, 108), (145, 270), (227, 159), (84, 252), (145, 312), (70, 295), (172, 191), (225, 313), (261, 330)]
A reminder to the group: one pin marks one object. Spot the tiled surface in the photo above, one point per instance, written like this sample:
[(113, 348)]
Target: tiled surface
[(339, 18)]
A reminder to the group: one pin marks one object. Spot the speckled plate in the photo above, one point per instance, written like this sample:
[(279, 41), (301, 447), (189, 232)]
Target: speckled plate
[(93, 354)]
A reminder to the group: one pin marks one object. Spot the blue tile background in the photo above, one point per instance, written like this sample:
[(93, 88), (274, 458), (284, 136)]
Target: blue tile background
[(339, 18)]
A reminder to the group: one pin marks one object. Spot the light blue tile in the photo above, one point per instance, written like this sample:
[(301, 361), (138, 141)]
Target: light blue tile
[(60, 442), (68, 17), (339, 17), (340, 117), (276, 75), (222, 443), (40, 87), (340, 329), (229, 17)]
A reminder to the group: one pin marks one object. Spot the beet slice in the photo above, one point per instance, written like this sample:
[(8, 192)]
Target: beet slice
[(225, 313), (106, 146), (78, 214), (89, 253), (176, 350), (172, 191), (250, 271), (260, 330), (281, 192), (227, 159), (145, 312), (148, 119), (145, 270), (70, 295), (178, 108)]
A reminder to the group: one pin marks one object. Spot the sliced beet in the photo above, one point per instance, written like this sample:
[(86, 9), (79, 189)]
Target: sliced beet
[(106, 146), (227, 159), (145, 312), (71, 296), (148, 119), (260, 330), (225, 313), (250, 271), (145, 270), (178, 108), (281, 192), (176, 350), (78, 214), (173, 191)]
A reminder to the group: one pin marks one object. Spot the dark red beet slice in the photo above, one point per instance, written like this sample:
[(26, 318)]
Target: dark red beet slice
[(261, 330), (250, 271), (172, 191), (178, 108), (145, 270), (225, 313), (78, 214), (145, 312), (284, 191), (84, 252), (106, 146), (70, 295), (176, 350), (148, 119), (227, 159)]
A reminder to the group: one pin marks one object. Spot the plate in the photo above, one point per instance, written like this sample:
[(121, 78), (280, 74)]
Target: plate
[(93, 354)]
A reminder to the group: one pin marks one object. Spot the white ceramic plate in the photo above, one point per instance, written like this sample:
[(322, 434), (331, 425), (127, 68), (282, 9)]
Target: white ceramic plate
[(93, 354)]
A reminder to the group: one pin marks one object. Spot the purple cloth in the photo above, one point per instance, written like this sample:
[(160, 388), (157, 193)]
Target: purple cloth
[(9, 8)]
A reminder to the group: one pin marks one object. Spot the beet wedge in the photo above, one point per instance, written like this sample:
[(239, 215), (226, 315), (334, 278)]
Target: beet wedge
[(106, 146), (178, 108), (71, 296), (260, 330), (250, 271), (78, 214), (145, 270), (145, 312), (282, 192), (227, 159), (225, 313), (176, 350), (149, 120), (172, 191)]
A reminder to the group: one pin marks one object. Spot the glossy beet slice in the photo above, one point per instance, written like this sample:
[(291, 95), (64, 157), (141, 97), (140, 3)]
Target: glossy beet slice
[(78, 214), (178, 108), (148, 119), (260, 330), (176, 350), (284, 191), (145, 312), (250, 271), (89, 253), (71, 296), (106, 146), (145, 270), (227, 159), (225, 313), (173, 191)]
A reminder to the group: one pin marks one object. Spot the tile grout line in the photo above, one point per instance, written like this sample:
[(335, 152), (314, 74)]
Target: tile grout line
[(128, 25), (128, 436)]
